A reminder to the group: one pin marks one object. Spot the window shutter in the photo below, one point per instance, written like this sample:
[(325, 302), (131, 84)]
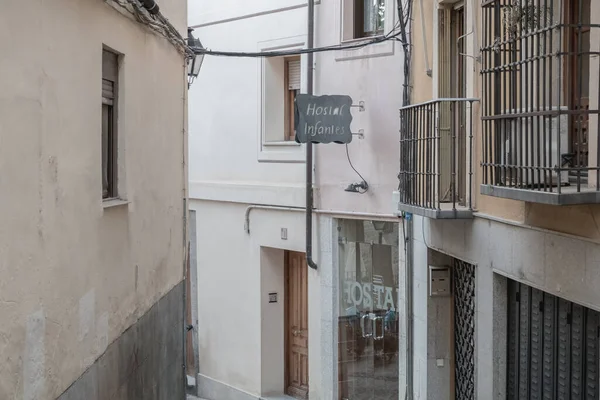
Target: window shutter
[(549, 361), (591, 373), (553, 347), (108, 91), (110, 73), (536, 349), (293, 70)]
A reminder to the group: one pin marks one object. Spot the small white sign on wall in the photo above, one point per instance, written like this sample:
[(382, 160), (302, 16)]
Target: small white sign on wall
[(273, 297)]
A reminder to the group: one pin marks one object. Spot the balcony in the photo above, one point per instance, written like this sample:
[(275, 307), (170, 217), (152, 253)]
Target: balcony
[(540, 68), (436, 167)]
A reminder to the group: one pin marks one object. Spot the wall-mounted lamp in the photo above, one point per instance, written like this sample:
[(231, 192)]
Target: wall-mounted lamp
[(383, 226), (361, 187), (378, 225), (195, 62)]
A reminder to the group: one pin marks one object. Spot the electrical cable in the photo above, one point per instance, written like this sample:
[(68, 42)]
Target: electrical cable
[(157, 23), (405, 18), (392, 35), (357, 173)]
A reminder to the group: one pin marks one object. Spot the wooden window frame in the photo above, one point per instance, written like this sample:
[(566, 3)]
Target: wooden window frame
[(359, 20), (110, 70), (289, 99)]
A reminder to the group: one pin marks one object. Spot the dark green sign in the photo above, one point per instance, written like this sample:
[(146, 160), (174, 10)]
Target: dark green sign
[(323, 119)]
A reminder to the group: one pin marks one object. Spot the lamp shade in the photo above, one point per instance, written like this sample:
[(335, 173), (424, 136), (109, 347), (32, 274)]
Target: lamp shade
[(195, 65), (379, 225)]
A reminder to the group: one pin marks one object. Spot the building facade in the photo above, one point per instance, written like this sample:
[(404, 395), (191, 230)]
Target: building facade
[(93, 182), (267, 324), (499, 175)]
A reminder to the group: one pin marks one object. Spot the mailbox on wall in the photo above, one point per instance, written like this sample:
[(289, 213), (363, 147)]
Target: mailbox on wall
[(440, 281)]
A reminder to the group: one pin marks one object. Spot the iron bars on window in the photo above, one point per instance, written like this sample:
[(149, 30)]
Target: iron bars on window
[(436, 153), (540, 99)]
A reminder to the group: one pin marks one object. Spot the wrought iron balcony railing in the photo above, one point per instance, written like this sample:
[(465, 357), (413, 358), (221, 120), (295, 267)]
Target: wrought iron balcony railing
[(540, 98), (436, 153)]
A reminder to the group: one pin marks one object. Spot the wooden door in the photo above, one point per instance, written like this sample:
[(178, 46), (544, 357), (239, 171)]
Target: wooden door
[(296, 295)]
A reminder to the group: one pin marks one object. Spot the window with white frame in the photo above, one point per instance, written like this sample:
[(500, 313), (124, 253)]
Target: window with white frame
[(363, 18), (282, 80)]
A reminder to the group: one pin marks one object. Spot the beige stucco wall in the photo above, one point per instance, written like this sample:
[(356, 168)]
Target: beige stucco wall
[(422, 84), (74, 274)]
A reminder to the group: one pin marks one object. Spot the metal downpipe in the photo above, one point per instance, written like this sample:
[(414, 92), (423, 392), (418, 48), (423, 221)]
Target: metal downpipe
[(309, 145)]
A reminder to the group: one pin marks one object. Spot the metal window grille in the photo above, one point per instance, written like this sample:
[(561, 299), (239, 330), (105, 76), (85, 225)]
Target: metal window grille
[(436, 142), (536, 108), (464, 330)]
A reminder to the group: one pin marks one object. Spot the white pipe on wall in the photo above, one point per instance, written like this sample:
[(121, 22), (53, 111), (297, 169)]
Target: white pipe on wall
[(348, 214)]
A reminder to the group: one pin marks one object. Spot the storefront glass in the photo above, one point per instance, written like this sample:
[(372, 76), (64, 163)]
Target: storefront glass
[(368, 314)]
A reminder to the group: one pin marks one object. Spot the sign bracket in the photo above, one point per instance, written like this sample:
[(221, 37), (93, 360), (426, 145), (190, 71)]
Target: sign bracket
[(360, 106), (360, 134)]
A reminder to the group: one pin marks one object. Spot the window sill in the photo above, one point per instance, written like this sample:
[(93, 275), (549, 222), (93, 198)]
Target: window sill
[(116, 202), (282, 143), (361, 39), (284, 152), (385, 48), (569, 195)]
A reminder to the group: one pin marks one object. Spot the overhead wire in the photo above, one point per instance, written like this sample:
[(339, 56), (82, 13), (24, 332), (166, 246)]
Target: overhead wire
[(392, 35)]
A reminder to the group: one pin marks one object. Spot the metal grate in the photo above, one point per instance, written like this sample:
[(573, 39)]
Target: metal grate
[(464, 330), (539, 103), (436, 142), (552, 347)]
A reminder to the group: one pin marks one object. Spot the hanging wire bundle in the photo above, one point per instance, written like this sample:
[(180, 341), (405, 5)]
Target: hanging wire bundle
[(157, 23)]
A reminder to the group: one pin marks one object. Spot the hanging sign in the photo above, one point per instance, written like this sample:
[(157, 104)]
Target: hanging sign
[(323, 119)]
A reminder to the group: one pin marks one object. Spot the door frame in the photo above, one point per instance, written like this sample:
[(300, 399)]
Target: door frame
[(286, 325)]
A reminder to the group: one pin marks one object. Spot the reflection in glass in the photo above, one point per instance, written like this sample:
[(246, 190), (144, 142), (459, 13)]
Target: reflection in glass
[(368, 316)]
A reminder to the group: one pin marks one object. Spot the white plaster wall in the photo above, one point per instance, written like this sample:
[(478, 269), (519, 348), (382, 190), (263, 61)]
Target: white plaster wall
[(225, 108), (226, 115), (203, 13), (420, 305), (236, 271), (272, 266), (230, 167), (373, 75), (76, 275)]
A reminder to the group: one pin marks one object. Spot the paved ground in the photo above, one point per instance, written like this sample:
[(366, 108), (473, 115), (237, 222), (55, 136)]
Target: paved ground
[(190, 397)]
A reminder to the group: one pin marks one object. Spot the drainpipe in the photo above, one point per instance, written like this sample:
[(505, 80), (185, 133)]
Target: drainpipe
[(184, 221), (408, 284), (309, 145), (348, 214)]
